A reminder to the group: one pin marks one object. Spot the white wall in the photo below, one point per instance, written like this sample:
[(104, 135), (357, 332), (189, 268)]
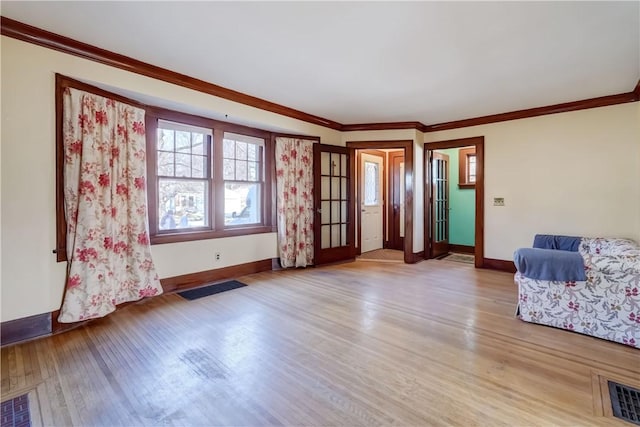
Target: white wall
[(32, 281), (418, 200), (575, 173)]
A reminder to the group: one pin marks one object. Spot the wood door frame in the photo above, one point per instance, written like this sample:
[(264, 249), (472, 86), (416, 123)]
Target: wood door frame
[(478, 142), (377, 153), (390, 179), (407, 146)]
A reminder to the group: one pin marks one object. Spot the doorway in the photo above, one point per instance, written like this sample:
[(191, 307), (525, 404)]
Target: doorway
[(384, 204), (454, 215), (371, 199)]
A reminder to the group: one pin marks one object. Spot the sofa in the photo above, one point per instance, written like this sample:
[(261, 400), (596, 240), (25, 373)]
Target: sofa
[(602, 300)]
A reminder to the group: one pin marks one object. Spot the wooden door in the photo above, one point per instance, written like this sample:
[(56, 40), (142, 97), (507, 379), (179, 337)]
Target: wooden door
[(371, 202), (333, 202), (439, 204), (396, 200)]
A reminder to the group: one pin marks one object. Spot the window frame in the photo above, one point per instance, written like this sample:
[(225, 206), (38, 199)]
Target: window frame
[(215, 230), (463, 167), (208, 178), (217, 227)]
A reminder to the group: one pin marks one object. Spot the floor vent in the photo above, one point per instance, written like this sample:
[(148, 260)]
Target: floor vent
[(15, 412), (625, 402)]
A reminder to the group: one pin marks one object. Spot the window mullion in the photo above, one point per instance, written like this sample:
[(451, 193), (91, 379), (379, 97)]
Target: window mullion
[(217, 184)]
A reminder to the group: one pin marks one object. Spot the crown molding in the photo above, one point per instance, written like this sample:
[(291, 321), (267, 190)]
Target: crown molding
[(602, 101), (40, 37), (382, 126)]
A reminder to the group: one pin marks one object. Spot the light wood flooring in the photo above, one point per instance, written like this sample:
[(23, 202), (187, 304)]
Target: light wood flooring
[(357, 344)]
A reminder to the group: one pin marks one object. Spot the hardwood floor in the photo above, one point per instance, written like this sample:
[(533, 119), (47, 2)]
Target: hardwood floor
[(363, 343)]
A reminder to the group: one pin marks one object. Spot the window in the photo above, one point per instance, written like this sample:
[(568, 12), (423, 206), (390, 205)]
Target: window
[(206, 178), (467, 167), (184, 175), (243, 178), (371, 183)]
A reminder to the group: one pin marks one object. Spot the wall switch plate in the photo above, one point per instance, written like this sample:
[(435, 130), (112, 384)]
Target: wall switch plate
[(498, 201)]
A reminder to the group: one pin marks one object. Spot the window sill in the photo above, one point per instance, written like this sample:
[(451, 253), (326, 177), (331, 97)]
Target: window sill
[(188, 236), (463, 186)]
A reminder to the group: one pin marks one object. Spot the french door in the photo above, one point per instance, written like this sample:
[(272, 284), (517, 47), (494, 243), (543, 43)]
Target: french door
[(440, 204), (334, 232)]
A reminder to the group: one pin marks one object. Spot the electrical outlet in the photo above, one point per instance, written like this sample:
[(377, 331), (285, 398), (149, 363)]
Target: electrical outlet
[(217, 256), (498, 201)]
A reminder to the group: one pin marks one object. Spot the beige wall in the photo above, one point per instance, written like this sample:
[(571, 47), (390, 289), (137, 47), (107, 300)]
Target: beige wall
[(571, 173), (575, 173), (31, 280)]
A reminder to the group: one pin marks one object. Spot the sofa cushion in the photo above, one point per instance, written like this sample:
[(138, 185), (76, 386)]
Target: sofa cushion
[(550, 264)]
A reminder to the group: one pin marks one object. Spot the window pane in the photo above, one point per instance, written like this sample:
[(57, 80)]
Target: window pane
[(325, 242), (183, 165), (325, 163), (472, 168), (183, 142), (229, 169), (252, 152), (242, 203), (198, 168), (183, 204), (241, 150), (165, 139), (165, 163), (241, 170), (252, 171), (197, 143), (371, 183), (228, 149)]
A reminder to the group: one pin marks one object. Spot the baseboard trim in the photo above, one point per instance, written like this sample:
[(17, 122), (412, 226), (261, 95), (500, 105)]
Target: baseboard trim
[(193, 280), (24, 329), (416, 257), (499, 264), (465, 249), (182, 283)]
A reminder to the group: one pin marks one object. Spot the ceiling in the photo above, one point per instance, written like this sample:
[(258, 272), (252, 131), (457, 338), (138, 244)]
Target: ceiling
[(363, 62)]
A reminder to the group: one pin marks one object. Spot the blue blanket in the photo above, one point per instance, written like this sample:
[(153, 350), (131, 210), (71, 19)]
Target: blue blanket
[(550, 264), (550, 241)]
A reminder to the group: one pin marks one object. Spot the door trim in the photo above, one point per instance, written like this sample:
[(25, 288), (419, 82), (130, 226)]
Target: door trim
[(358, 193), (407, 146), (478, 142)]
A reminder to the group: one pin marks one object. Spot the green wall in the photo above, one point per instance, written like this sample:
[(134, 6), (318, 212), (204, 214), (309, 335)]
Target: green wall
[(463, 205)]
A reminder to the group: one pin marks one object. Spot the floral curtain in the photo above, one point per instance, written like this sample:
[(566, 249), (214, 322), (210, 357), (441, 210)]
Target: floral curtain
[(108, 251), (294, 184)]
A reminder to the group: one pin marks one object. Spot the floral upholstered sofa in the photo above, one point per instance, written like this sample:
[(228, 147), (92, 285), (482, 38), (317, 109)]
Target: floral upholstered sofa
[(604, 301)]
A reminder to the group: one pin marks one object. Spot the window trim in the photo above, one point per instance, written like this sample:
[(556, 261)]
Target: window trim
[(269, 224), (217, 229), (463, 167)]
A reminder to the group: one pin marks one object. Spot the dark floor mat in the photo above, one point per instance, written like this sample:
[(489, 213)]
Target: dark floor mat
[(211, 289)]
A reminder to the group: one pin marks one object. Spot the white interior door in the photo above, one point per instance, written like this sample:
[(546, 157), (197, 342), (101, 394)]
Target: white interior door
[(371, 204)]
